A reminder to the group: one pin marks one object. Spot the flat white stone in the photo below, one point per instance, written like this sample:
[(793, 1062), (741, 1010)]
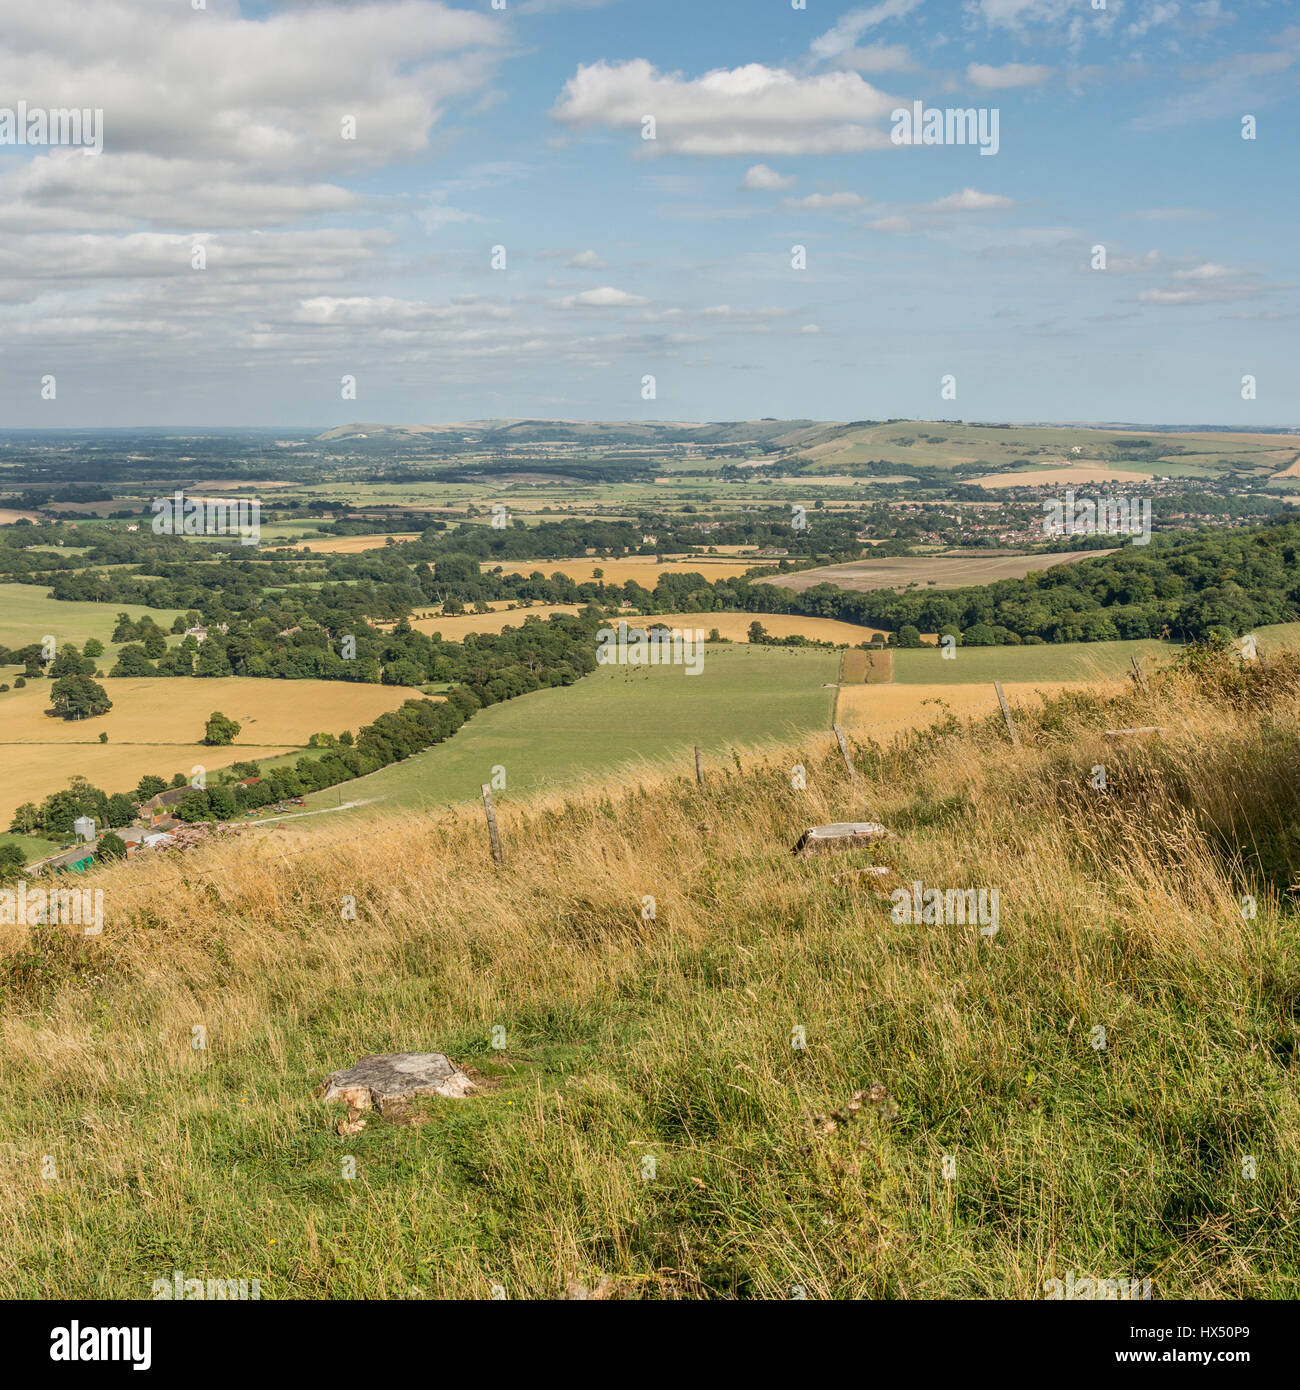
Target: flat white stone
[(390, 1081)]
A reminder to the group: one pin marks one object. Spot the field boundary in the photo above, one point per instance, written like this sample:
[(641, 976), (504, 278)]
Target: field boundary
[(137, 743)]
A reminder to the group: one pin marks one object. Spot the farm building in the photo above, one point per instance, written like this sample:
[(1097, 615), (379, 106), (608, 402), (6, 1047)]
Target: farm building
[(158, 807)]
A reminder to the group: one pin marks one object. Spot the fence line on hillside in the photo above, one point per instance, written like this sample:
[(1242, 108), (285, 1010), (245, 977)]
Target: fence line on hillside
[(490, 810)]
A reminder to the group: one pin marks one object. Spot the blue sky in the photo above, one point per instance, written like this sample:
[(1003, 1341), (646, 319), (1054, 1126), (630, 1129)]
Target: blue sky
[(371, 257)]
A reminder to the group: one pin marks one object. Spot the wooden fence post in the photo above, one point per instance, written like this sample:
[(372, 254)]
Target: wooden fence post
[(493, 834), (699, 766), (1140, 674), (844, 752), (1006, 713)]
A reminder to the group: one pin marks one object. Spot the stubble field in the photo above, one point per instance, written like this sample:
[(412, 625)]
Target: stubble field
[(936, 572), (156, 726)]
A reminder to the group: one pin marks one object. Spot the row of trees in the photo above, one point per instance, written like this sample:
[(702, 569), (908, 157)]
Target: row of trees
[(1190, 587), (495, 666)]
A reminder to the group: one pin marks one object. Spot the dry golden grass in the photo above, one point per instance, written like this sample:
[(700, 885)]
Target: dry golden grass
[(917, 571), (858, 667), (351, 545), (156, 725), (668, 1035), (881, 711), (457, 628)]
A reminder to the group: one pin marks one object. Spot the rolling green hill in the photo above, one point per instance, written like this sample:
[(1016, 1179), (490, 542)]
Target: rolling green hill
[(619, 715)]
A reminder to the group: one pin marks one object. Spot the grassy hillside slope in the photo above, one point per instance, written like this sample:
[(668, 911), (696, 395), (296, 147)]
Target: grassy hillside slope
[(629, 1038), (616, 716), (28, 614)]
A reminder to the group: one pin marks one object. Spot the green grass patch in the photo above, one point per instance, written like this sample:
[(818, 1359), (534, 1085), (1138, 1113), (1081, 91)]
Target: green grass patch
[(33, 846), (28, 614), (744, 695), (1065, 661)]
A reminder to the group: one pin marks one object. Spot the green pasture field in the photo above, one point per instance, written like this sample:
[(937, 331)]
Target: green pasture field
[(616, 716), (28, 614), (1063, 661), (1278, 636), (33, 846)]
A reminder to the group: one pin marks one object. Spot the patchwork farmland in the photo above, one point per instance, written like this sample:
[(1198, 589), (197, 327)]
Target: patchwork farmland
[(633, 908)]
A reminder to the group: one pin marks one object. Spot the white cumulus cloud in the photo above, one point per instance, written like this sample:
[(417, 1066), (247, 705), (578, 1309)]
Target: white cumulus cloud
[(996, 79), (826, 202), (606, 297), (748, 110), (759, 178), (969, 200)]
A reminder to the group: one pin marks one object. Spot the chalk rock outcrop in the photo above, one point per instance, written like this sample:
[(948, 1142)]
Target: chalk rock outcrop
[(388, 1082), (826, 839)]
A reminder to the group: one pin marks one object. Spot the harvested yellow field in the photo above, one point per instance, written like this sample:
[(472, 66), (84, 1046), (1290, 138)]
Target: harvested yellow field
[(644, 569), (457, 628), (939, 571), (36, 770), (433, 612), (736, 626), (1072, 473), (156, 725), (350, 545), (882, 711)]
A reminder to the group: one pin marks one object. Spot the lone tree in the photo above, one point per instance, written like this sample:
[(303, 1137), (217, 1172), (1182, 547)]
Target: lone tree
[(79, 697), (70, 662), (220, 730), (12, 863)]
